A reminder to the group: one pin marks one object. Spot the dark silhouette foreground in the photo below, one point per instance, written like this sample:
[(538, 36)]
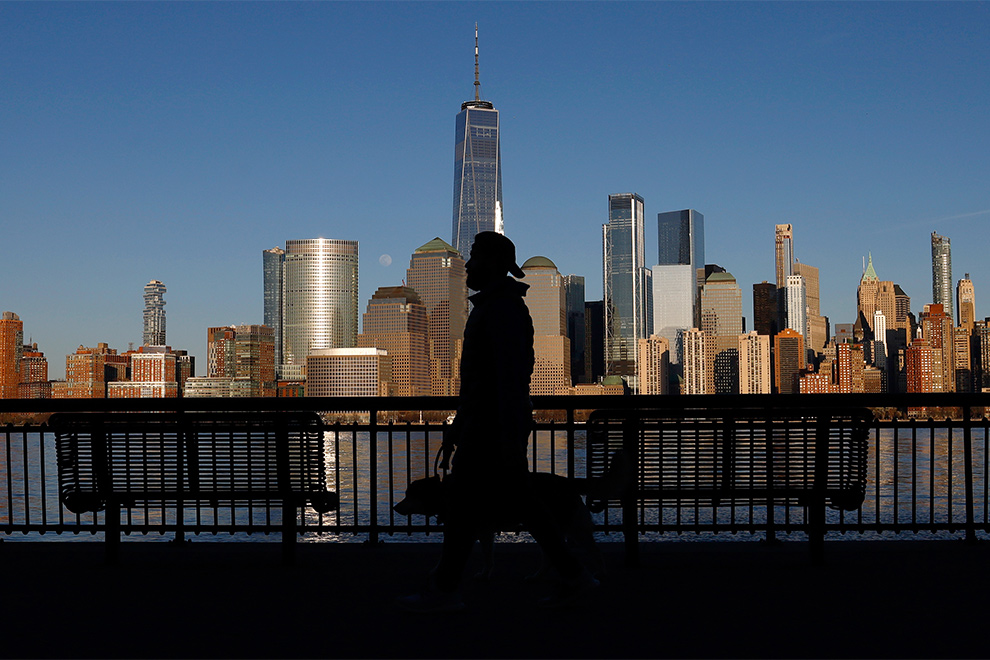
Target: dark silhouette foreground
[(489, 486)]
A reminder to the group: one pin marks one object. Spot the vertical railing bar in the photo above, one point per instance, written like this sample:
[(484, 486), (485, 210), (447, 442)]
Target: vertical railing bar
[(27, 481), (968, 467), (950, 440), (354, 469), (571, 441), (914, 475), (931, 471), (373, 476), (44, 479), (896, 460)]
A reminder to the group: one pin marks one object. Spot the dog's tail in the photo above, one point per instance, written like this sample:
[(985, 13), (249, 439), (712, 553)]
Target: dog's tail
[(613, 483)]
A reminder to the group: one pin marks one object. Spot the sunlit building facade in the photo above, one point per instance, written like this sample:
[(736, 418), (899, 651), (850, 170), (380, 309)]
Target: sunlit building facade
[(396, 323), (721, 321), (547, 304), (754, 363), (332, 372), (654, 360), (320, 304), (11, 352), (966, 303), (436, 272)]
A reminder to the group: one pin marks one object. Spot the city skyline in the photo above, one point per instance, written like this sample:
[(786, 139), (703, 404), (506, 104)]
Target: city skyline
[(175, 142)]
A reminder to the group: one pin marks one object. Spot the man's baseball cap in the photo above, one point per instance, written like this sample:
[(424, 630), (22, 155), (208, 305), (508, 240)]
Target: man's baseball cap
[(500, 248)]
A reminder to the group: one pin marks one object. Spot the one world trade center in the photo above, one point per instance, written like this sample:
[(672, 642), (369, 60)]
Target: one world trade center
[(477, 169)]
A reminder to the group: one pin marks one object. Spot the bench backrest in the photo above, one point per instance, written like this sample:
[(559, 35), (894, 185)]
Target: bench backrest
[(715, 456), (157, 458)]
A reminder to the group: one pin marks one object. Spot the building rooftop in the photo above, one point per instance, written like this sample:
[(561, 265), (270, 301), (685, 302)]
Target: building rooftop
[(539, 262)]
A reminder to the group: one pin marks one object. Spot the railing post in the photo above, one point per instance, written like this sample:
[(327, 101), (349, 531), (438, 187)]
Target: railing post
[(630, 530), (373, 477), (816, 508), (968, 454)]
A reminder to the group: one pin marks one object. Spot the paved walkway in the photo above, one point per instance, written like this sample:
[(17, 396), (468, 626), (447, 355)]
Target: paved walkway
[(740, 599)]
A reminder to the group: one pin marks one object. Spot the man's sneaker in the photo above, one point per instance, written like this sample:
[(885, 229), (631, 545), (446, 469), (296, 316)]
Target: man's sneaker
[(570, 591), (431, 601)]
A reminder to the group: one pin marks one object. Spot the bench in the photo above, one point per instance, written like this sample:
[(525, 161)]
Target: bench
[(734, 457), (118, 461)]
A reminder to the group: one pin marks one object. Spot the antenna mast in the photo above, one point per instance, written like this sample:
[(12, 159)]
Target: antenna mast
[(477, 83)]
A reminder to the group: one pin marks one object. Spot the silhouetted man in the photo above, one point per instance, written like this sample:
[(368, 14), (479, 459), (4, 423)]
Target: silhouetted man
[(488, 485)]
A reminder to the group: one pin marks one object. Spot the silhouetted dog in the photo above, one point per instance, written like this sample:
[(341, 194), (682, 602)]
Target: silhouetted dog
[(561, 496)]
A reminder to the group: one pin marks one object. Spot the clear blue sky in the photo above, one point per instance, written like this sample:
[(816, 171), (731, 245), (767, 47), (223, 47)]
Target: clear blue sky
[(177, 141)]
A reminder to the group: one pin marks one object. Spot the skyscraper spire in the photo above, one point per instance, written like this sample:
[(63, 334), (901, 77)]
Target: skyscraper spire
[(477, 82)]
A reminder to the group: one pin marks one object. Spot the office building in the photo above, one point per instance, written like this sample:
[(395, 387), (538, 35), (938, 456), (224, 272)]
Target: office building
[(879, 353), (273, 262), (320, 304), (153, 375), (721, 321), (695, 365), (980, 353), (872, 295), (576, 332), (902, 311), (789, 360), (797, 305), (942, 273), (783, 266), (676, 305), (245, 353), (654, 369), (754, 363), (34, 374), (681, 242), (936, 329), (783, 253), (817, 334), (627, 286), (547, 305), (396, 323), (87, 372), (765, 308), (332, 372), (436, 273), (923, 368), (962, 359), (11, 353), (966, 303), (594, 336), (477, 169), (154, 314)]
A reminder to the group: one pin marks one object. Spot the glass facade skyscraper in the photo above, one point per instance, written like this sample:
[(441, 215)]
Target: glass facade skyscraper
[(274, 263), (681, 240), (477, 169), (627, 286), (679, 276), (154, 314), (320, 304), (942, 273), (674, 295)]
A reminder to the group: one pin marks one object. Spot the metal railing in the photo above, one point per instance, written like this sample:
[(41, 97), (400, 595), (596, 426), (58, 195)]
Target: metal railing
[(927, 474)]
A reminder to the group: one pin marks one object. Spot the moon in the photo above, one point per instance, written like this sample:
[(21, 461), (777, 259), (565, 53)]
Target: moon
[(385, 260)]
